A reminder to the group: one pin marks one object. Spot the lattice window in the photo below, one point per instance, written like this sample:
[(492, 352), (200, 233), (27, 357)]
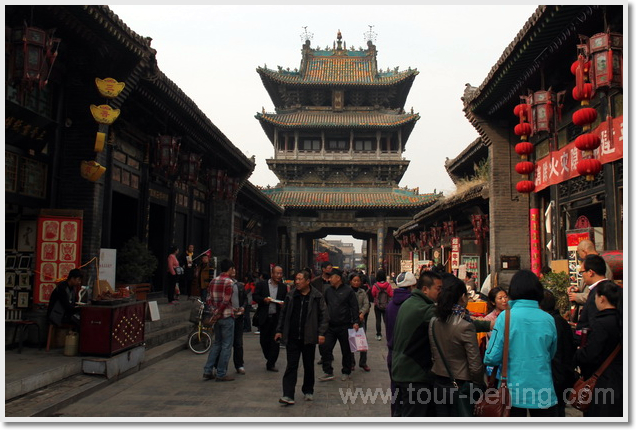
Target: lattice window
[(32, 178), (11, 172)]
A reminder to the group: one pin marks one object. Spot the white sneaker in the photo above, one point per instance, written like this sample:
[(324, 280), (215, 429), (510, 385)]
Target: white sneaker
[(326, 377), (286, 400), (378, 337), (345, 377), (309, 397)]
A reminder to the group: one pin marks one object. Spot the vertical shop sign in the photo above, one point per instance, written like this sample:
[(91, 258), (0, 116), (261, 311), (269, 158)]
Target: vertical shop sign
[(574, 237), (535, 242), (455, 250)]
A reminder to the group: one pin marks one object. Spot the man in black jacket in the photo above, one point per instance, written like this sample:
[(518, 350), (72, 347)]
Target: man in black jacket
[(563, 375), (342, 307), (302, 324), (270, 295), (321, 283), (62, 308)]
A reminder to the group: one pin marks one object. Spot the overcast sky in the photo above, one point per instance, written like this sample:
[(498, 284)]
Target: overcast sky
[(212, 51)]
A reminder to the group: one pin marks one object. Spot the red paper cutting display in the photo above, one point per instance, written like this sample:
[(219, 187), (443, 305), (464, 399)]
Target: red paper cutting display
[(58, 250)]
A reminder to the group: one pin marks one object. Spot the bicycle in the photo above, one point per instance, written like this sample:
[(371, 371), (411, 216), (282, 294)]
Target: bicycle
[(200, 339)]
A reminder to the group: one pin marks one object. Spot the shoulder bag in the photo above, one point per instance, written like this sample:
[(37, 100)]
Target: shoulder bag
[(582, 395), (495, 402), (461, 397)]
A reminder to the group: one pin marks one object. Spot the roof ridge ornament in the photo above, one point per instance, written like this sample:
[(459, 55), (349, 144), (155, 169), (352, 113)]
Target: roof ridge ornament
[(370, 35), (307, 36)]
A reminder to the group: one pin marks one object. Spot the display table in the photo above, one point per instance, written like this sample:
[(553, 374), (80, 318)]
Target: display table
[(107, 330), (477, 307)]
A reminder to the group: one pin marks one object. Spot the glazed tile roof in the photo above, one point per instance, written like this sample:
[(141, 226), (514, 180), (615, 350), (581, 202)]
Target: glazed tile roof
[(304, 119), (347, 198), (338, 70)]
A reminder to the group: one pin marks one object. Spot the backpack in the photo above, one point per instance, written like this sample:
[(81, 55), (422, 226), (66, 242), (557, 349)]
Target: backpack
[(383, 299)]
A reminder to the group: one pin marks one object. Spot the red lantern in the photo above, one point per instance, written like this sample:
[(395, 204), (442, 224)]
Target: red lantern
[(584, 116), (524, 167), (34, 52), (167, 158), (524, 149), (525, 187), (587, 142), (190, 164), (523, 129), (589, 167), (586, 94), (575, 66), (606, 50), (542, 110), (522, 111)]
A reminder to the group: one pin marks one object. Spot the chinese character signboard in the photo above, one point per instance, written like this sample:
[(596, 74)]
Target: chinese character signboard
[(455, 250), (535, 242), (561, 165), (574, 237), (58, 250)]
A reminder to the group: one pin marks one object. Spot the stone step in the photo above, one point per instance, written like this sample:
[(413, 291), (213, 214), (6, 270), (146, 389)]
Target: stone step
[(47, 400), (168, 334)]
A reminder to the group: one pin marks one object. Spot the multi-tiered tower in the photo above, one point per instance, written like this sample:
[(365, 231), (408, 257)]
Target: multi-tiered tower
[(338, 133)]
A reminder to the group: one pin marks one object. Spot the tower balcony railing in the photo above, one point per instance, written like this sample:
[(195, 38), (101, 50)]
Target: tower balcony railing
[(337, 155)]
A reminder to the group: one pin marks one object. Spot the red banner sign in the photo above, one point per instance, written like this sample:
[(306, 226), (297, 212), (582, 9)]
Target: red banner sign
[(560, 165), (535, 242)]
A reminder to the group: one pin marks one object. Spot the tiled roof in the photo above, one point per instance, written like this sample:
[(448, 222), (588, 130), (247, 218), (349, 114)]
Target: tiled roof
[(442, 206), (348, 198), (338, 119), (338, 70)]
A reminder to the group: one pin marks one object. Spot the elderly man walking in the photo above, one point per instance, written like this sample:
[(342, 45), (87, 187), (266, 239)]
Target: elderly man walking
[(302, 325)]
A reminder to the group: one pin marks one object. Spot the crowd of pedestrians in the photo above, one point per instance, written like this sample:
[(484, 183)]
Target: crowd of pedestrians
[(432, 338)]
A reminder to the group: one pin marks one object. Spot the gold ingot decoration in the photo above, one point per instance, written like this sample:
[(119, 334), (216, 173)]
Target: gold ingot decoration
[(92, 170), (104, 114), (109, 87), (100, 138)]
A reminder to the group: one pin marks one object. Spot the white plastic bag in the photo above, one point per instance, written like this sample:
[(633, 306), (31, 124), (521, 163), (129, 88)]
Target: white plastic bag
[(358, 340)]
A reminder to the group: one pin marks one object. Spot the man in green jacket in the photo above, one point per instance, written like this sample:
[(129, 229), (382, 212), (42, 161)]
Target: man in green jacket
[(412, 361)]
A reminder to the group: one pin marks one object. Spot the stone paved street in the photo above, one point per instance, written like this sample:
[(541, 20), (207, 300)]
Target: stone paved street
[(174, 388)]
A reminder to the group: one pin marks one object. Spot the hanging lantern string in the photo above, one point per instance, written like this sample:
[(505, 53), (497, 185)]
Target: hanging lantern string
[(58, 280)]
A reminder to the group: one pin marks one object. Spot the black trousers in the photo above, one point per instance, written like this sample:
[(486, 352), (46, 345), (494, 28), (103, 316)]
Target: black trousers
[(269, 346), (172, 282), (363, 354), (379, 316), (339, 334), (523, 412), (416, 399), (296, 349)]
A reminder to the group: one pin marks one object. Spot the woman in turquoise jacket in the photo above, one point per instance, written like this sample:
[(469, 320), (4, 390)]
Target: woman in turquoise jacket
[(532, 345)]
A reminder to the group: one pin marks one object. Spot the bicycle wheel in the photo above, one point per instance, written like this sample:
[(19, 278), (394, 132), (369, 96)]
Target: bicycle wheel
[(199, 344)]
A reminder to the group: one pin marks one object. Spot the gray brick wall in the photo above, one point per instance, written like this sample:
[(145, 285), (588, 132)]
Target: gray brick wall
[(509, 210)]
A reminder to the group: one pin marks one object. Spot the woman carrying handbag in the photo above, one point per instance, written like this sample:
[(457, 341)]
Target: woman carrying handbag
[(457, 365), (531, 346)]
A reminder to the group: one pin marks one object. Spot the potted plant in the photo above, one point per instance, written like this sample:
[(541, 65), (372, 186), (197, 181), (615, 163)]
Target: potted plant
[(135, 267), (558, 283)]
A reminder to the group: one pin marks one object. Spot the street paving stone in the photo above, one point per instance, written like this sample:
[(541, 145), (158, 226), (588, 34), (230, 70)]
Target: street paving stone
[(174, 387)]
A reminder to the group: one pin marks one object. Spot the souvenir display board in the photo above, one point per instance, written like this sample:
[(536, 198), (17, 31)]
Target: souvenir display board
[(58, 250)]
